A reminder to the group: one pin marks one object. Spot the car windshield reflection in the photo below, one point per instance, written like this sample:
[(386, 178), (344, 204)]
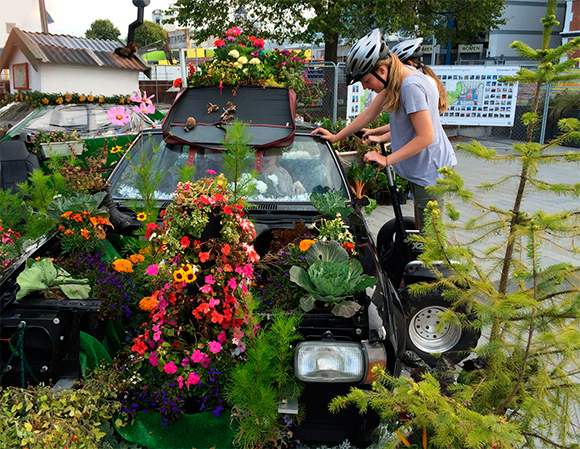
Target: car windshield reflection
[(287, 174)]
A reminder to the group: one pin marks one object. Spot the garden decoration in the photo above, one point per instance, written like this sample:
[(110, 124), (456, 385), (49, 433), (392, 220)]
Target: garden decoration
[(57, 143)]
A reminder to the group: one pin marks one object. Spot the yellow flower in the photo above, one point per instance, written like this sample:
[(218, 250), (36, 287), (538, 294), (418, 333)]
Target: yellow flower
[(90, 98), (243, 60), (123, 266), (141, 216), (82, 98), (101, 100), (179, 275), (255, 61), (59, 100), (116, 149), (234, 53), (305, 244), (121, 100), (189, 274), (45, 100), (67, 97)]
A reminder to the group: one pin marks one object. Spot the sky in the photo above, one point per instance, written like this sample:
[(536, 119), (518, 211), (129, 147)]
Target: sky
[(72, 17)]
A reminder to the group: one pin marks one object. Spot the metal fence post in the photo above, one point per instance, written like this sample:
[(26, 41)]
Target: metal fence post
[(545, 113), (335, 95)]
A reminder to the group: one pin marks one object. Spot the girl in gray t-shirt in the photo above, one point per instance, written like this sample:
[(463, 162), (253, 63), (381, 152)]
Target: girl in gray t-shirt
[(419, 144)]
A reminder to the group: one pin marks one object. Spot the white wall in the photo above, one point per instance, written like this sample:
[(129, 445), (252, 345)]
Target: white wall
[(87, 80)]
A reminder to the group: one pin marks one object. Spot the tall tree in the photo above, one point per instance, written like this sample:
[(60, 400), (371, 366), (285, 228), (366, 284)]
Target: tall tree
[(149, 33), (103, 29), (301, 20)]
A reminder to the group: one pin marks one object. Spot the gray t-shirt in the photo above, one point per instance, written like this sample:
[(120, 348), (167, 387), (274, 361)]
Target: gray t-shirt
[(418, 94)]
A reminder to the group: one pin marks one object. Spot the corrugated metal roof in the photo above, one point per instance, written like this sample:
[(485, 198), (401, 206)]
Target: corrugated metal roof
[(64, 49)]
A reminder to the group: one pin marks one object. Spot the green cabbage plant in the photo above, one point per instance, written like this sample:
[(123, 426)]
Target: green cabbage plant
[(331, 278)]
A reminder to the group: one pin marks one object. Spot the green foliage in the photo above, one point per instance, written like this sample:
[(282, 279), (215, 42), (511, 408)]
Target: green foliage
[(42, 275), (38, 417), (149, 33), (13, 211), (103, 29), (239, 160), (450, 422), (330, 203), (258, 386), (285, 20), (331, 278)]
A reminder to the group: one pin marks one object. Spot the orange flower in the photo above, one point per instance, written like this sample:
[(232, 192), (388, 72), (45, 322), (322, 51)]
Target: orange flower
[(59, 100), (101, 100), (90, 98), (305, 244), (45, 100), (148, 304), (94, 221), (136, 258), (66, 214), (77, 217), (85, 233), (348, 246), (61, 228), (82, 98), (68, 233), (122, 100), (123, 266), (67, 97)]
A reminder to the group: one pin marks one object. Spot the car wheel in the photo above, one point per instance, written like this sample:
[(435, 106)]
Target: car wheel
[(427, 338)]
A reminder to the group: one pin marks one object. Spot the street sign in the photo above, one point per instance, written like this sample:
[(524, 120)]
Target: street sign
[(178, 39)]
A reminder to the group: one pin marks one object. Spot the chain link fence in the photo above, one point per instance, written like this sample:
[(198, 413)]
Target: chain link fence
[(329, 92)]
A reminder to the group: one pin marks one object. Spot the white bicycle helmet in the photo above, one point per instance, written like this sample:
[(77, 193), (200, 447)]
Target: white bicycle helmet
[(364, 55), (412, 48)]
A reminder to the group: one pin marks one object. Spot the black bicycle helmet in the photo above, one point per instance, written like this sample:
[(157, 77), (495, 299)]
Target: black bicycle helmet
[(364, 55), (412, 48)]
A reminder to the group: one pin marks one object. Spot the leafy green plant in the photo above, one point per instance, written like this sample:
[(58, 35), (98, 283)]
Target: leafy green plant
[(239, 160), (258, 386), (39, 417), (362, 179), (331, 278), (524, 388), (42, 275), (330, 203)]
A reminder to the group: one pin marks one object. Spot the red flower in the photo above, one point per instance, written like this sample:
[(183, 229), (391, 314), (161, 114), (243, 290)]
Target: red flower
[(348, 246), (139, 347), (227, 210), (252, 38), (150, 228), (203, 257), (259, 43), (219, 43), (218, 197), (177, 82), (162, 213), (184, 242), (226, 249)]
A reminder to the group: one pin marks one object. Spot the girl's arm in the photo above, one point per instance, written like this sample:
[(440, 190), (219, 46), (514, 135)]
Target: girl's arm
[(374, 131), (424, 137)]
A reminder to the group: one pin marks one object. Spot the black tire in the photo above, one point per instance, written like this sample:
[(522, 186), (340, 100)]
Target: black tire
[(421, 317), (391, 261)]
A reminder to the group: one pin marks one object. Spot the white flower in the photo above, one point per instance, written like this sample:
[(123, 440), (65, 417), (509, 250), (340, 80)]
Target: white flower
[(243, 60), (274, 179), (261, 186), (234, 53), (238, 65), (245, 70), (255, 61)]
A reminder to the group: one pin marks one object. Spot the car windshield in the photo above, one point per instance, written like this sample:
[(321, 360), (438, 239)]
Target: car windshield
[(287, 174), (88, 120), (12, 113)]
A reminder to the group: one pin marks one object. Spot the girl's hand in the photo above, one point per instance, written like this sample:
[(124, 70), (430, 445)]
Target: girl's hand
[(325, 134), (374, 156)]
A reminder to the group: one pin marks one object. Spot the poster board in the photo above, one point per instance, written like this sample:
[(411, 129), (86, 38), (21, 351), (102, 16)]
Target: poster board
[(358, 99), (476, 97)]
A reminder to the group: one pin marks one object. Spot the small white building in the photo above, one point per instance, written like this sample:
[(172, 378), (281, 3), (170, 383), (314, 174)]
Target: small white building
[(57, 63)]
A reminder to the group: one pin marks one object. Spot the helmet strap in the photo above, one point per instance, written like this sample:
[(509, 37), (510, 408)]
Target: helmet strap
[(385, 82)]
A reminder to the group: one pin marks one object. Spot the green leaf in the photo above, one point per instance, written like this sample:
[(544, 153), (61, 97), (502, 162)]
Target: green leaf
[(330, 251), (307, 303)]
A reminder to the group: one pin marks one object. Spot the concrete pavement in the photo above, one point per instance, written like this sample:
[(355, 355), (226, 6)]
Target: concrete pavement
[(475, 171)]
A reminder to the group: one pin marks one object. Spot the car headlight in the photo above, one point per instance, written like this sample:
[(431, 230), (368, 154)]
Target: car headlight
[(329, 361)]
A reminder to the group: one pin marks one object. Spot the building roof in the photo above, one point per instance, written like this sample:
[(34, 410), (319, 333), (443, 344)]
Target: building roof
[(63, 49)]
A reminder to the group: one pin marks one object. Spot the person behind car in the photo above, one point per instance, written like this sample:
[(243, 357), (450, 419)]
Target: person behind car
[(419, 144), (409, 52), (279, 180)]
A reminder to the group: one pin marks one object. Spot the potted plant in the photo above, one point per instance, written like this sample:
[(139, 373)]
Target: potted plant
[(361, 180), (57, 143)]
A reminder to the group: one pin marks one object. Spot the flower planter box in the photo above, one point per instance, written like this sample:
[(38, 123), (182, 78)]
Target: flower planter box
[(61, 148), (348, 157)]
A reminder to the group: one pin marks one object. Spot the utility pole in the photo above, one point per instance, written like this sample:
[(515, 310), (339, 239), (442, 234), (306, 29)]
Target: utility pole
[(43, 20)]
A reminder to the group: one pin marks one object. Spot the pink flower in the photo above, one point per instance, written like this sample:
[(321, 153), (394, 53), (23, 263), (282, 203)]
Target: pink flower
[(170, 368), (144, 108), (197, 356), (119, 115), (213, 302), (193, 379), (153, 359), (222, 338), (206, 289), (215, 347), (206, 362), (141, 98), (152, 270), (185, 362), (209, 279), (232, 283), (180, 381), (211, 172)]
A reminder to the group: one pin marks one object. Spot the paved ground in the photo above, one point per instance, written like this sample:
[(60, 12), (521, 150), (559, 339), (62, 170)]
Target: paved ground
[(474, 172)]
